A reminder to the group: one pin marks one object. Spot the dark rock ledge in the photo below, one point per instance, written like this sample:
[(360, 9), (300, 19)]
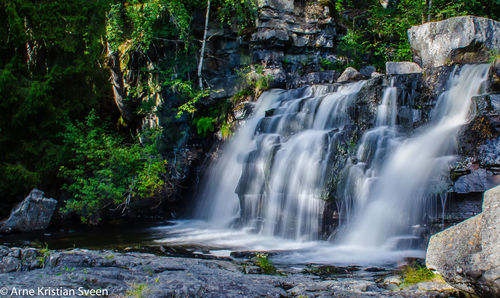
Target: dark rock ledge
[(120, 274)]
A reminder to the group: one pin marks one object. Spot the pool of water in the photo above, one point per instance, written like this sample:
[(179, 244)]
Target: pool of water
[(198, 238)]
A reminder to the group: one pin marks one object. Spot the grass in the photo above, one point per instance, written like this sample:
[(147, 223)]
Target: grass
[(413, 274), (138, 290)]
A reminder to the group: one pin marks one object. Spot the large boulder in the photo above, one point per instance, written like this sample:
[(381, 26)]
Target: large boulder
[(466, 39), (34, 213), (467, 255)]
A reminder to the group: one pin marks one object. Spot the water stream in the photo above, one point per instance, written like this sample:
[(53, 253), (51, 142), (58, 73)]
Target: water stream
[(267, 189)]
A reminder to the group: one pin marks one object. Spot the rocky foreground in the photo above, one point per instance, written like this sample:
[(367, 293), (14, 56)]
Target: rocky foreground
[(80, 272)]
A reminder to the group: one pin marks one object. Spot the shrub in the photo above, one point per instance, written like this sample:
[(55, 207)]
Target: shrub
[(105, 173)]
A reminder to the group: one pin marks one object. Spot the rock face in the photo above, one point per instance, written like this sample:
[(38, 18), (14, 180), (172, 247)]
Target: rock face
[(468, 255), (34, 213), (479, 143), (393, 68), (461, 40)]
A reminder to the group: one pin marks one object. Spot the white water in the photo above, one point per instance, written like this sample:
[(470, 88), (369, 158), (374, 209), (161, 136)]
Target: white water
[(272, 173), (264, 192), (387, 197)]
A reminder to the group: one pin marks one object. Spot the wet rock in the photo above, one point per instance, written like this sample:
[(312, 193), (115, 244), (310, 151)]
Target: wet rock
[(489, 154), (393, 279), (9, 264), (397, 68), (435, 79), (4, 250), (34, 213), (224, 87), (485, 104), (477, 181), (461, 39), (243, 110), (277, 78), (467, 255), (427, 286), (350, 74), (368, 70)]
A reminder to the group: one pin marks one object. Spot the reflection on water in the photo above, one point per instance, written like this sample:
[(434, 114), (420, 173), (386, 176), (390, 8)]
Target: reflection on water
[(105, 237)]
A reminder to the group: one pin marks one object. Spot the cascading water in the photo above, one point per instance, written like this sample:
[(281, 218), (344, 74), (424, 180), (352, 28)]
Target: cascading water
[(269, 180), (272, 174), (395, 174)]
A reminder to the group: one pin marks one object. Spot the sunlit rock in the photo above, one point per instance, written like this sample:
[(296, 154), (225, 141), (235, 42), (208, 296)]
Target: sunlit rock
[(468, 255), (395, 68), (350, 74), (461, 40)]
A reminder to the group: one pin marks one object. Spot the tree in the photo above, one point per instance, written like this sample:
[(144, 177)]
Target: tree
[(202, 52), (50, 70)]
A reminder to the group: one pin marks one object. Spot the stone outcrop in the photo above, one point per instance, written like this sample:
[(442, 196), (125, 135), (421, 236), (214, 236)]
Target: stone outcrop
[(293, 41), (479, 143), (396, 68), (460, 40), (34, 213), (148, 275), (468, 255)]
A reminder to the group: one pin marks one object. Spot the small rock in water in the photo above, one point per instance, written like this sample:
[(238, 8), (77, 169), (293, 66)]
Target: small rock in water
[(374, 269)]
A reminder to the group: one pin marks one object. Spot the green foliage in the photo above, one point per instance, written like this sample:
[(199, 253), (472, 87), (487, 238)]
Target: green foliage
[(226, 130), (242, 13), (254, 78), (204, 125), (45, 254), (138, 290), (115, 26), (51, 69), (265, 264), (413, 274), (187, 90), (376, 34), (104, 173)]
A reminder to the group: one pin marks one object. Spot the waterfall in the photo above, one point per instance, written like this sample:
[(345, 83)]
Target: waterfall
[(395, 173), (271, 175), (267, 190)]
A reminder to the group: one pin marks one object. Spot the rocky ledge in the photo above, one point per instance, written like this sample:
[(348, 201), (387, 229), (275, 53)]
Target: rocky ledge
[(118, 274)]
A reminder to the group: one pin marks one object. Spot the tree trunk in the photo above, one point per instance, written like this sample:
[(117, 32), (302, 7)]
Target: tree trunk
[(119, 85), (202, 52), (429, 7)]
